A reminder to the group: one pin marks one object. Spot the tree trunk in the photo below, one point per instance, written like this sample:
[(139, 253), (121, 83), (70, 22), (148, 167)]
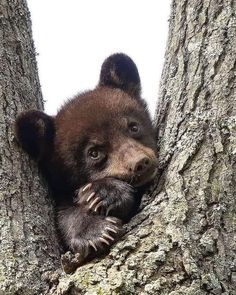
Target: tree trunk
[(183, 241), (28, 246)]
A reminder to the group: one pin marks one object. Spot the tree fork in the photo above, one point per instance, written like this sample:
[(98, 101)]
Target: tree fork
[(183, 241)]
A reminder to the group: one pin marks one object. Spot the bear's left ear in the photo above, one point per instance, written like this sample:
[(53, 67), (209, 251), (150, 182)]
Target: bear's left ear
[(119, 71)]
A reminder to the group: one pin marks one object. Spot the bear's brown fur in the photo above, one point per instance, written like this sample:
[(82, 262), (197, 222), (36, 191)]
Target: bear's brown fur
[(97, 153)]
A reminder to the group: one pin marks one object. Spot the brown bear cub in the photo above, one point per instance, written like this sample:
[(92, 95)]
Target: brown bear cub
[(97, 154)]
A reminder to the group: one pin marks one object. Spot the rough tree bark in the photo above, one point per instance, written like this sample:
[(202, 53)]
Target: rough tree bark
[(183, 241), (28, 247)]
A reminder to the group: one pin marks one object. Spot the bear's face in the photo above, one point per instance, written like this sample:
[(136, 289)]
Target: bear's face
[(106, 132)]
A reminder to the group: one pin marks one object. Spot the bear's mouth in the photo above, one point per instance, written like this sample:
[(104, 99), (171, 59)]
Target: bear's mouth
[(139, 180), (135, 179)]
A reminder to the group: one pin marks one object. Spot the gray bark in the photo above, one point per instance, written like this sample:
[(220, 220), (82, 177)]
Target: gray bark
[(28, 246), (183, 241)]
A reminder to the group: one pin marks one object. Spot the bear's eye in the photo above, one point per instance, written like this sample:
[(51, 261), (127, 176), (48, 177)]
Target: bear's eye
[(94, 153), (133, 127)]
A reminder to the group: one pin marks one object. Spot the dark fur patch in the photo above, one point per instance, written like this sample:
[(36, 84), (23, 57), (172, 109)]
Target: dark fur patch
[(119, 71), (35, 132)]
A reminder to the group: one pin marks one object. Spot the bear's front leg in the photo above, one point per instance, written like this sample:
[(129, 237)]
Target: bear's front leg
[(86, 233), (109, 197)]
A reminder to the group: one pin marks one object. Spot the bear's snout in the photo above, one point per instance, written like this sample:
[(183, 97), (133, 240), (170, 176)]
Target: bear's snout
[(141, 166), (143, 169)]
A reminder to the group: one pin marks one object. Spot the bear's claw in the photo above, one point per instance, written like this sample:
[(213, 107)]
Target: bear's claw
[(105, 197), (86, 187), (112, 220), (98, 238), (91, 243)]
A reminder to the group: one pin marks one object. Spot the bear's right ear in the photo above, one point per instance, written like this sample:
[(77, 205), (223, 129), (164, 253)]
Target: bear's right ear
[(35, 132)]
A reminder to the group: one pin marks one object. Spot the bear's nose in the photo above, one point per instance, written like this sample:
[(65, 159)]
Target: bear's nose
[(142, 165)]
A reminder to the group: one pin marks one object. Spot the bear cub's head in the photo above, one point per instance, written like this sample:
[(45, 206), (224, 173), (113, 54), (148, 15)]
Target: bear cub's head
[(105, 132)]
